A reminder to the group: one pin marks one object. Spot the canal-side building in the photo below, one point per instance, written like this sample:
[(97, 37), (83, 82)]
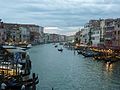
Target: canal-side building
[(12, 33), (62, 38), (84, 37), (116, 34), (46, 37), (70, 39), (95, 32), (109, 30), (100, 33), (34, 34), (23, 33), (78, 37), (41, 31), (95, 36), (54, 38), (2, 33)]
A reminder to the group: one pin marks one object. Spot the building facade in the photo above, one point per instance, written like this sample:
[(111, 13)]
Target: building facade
[(41, 31), (78, 37), (24, 33), (95, 32), (116, 34), (2, 33), (109, 31), (102, 32), (84, 37)]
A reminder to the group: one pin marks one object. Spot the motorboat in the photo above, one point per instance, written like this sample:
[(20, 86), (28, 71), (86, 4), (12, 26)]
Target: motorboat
[(56, 46), (60, 49)]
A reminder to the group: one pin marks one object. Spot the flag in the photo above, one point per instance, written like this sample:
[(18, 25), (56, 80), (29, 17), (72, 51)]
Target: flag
[(17, 57)]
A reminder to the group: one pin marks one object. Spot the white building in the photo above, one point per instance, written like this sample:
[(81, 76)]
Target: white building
[(2, 33), (25, 34), (41, 31), (70, 38), (95, 36), (84, 38), (102, 27)]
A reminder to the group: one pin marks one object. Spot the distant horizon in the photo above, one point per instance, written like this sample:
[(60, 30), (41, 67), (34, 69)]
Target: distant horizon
[(59, 30), (52, 30), (62, 30)]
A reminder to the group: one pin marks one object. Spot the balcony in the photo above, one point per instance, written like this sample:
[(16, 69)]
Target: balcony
[(108, 38), (109, 28)]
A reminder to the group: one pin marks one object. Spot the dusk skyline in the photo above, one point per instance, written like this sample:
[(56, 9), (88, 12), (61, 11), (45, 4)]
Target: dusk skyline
[(59, 45)]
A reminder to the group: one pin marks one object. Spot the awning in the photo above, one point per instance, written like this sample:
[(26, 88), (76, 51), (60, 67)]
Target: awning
[(9, 47), (15, 50)]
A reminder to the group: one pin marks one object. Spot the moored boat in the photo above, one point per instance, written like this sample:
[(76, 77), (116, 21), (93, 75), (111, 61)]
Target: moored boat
[(15, 64), (24, 46), (79, 51), (60, 49), (56, 46)]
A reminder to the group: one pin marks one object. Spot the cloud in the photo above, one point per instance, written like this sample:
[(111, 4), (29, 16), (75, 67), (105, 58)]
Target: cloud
[(58, 13), (62, 30)]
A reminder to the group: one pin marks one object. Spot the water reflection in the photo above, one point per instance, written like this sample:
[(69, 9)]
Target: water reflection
[(109, 67), (69, 71)]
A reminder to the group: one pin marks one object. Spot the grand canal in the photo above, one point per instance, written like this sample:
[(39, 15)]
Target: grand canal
[(68, 71)]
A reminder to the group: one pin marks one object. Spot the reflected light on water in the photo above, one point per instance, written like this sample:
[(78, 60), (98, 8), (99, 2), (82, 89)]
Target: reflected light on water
[(66, 71), (109, 67)]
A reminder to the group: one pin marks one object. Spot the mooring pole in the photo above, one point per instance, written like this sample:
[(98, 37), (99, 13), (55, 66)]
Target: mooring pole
[(52, 89), (34, 85)]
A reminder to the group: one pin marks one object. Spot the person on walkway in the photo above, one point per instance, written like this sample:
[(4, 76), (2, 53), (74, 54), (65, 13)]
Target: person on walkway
[(23, 87), (3, 86)]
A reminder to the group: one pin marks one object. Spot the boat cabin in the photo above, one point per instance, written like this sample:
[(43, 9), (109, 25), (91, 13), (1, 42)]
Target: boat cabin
[(14, 61)]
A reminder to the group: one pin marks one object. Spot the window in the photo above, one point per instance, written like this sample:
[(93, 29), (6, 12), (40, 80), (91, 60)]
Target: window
[(97, 32), (118, 25), (118, 32), (93, 38)]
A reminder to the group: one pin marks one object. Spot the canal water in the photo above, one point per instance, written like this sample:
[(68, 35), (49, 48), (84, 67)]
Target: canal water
[(68, 71)]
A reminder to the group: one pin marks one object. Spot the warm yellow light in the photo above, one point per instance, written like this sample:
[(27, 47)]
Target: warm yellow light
[(77, 44)]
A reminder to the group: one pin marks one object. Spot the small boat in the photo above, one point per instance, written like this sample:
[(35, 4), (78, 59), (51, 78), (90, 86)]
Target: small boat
[(60, 49), (53, 43), (79, 51), (29, 45), (56, 46), (89, 54)]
